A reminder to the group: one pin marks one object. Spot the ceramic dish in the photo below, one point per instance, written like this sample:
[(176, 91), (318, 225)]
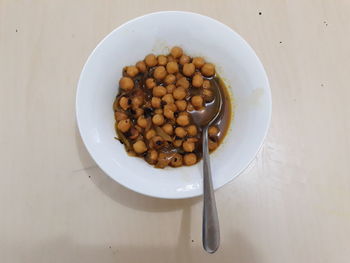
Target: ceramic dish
[(198, 35)]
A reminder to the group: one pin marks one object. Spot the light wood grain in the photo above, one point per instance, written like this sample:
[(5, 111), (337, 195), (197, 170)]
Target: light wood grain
[(291, 205)]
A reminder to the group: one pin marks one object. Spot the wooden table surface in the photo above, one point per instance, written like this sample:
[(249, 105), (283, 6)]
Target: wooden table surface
[(291, 205)]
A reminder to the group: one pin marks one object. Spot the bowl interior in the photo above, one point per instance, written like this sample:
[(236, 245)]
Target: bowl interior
[(198, 35)]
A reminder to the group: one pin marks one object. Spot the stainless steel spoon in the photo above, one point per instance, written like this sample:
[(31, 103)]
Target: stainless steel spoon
[(210, 228)]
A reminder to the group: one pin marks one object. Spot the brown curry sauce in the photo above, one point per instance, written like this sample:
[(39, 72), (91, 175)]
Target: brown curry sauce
[(168, 149)]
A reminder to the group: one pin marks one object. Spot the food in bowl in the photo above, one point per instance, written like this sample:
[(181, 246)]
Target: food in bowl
[(154, 105), (236, 63)]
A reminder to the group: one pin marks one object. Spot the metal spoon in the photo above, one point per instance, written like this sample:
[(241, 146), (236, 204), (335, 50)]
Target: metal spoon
[(210, 228)]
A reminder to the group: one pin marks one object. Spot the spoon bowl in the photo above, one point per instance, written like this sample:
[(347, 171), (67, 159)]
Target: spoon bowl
[(211, 111)]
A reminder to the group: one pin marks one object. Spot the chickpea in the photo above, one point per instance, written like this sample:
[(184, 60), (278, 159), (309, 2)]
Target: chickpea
[(213, 131), (169, 79), (192, 139), (179, 76), (172, 67), (188, 146), (159, 91), (142, 122), (181, 105), (139, 112), (159, 73), (139, 147), (206, 84), (134, 133), (138, 128), (126, 83), (162, 60), (171, 58), (150, 134), (190, 159), (153, 155), (168, 98), (157, 141), (141, 66), (208, 95), (180, 132), (184, 59), (156, 102), (168, 128), (177, 143), (197, 81), (212, 145), (163, 160), (170, 88), (150, 83), (183, 120), (198, 62), (176, 161), (132, 71), (158, 119), (120, 116), (197, 101), (168, 113), (158, 111), (170, 106), (124, 125), (183, 82), (184, 113), (151, 60), (137, 101), (179, 93), (188, 69), (208, 70), (124, 103), (192, 130), (176, 52)]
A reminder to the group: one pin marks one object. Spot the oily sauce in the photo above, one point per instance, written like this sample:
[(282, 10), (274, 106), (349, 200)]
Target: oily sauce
[(222, 121), (148, 131)]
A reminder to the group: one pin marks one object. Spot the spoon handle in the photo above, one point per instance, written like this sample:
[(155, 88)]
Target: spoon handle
[(211, 230)]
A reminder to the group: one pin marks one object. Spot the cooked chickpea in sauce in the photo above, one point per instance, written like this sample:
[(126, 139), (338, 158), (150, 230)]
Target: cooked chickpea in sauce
[(154, 104)]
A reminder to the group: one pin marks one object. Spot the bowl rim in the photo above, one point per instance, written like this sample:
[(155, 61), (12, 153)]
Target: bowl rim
[(189, 194)]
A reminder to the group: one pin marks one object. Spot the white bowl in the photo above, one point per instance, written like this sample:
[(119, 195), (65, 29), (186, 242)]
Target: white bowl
[(198, 35)]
